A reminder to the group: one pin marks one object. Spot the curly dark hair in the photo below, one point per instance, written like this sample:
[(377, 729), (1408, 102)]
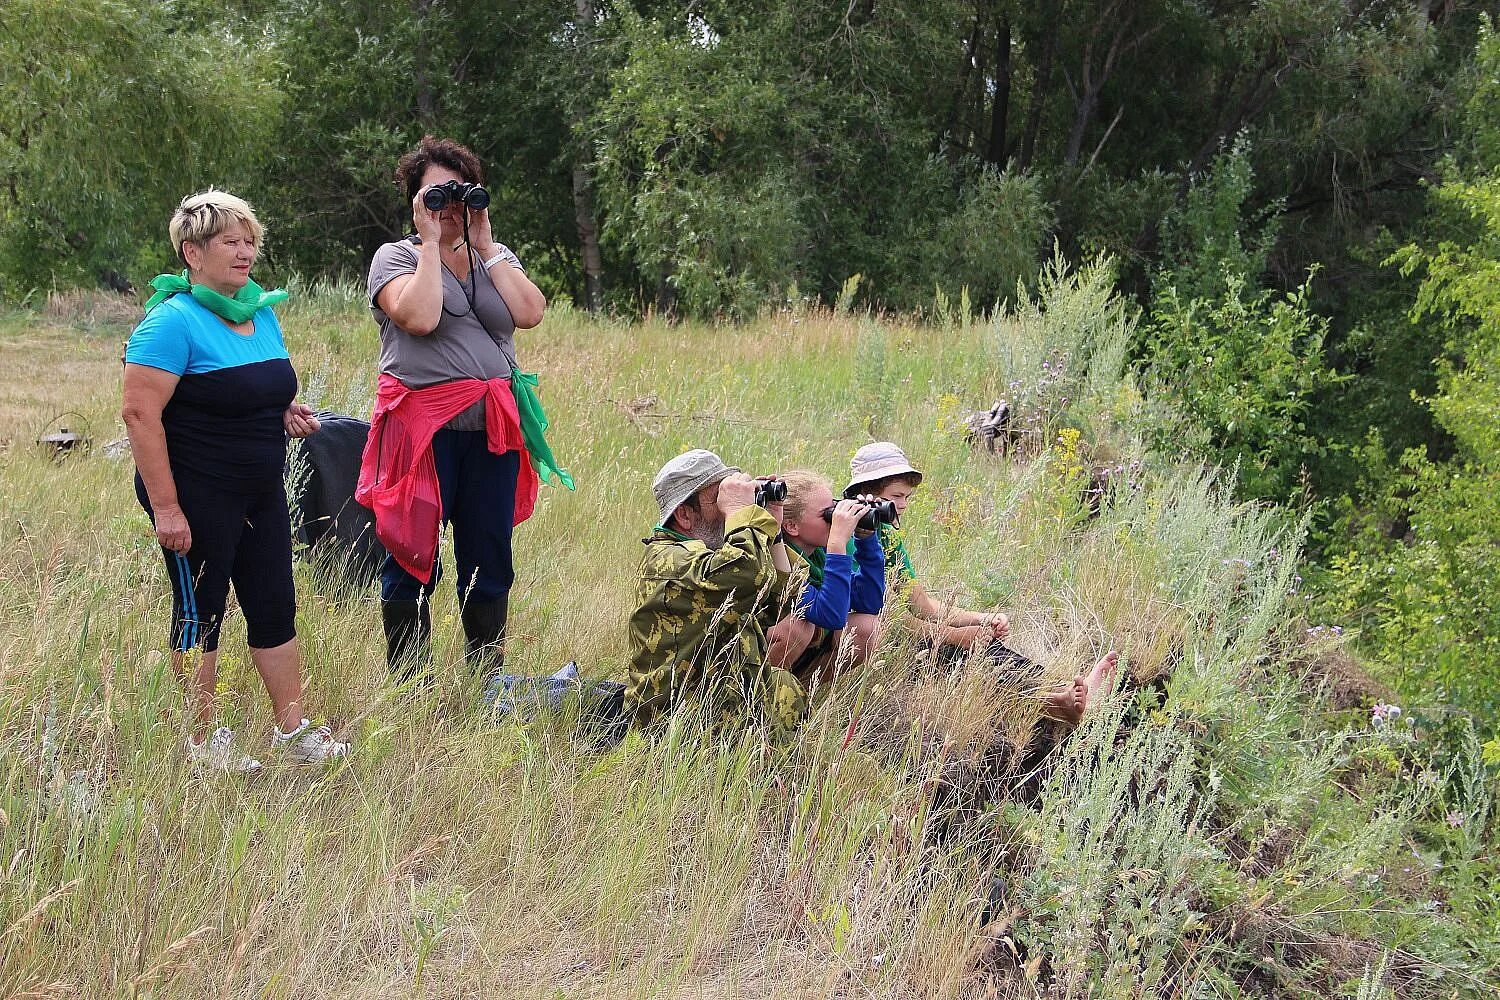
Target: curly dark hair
[(442, 152)]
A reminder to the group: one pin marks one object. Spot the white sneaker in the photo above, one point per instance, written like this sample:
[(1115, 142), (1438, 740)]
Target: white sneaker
[(218, 753), (309, 744)]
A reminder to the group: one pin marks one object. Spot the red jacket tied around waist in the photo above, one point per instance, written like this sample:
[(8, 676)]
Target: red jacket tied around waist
[(398, 477)]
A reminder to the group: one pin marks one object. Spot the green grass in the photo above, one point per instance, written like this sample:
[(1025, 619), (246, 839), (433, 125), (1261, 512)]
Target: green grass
[(1226, 833)]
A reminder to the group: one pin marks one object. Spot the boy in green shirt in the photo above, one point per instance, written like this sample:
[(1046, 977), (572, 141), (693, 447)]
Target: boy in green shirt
[(882, 470)]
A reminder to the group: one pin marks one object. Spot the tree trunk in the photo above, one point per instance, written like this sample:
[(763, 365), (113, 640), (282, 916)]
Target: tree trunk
[(666, 296), (961, 86), (426, 96), (583, 186), (1083, 114), (1039, 93), (1000, 110), (1121, 16), (588, 239)]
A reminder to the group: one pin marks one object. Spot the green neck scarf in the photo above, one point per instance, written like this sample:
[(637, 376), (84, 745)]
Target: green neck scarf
[(814, 558), (240, 309)]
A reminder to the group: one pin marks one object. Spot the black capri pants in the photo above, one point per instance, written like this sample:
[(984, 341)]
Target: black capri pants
[(240, 536)]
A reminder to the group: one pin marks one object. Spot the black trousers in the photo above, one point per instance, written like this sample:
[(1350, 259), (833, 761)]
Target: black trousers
[(243, 537)]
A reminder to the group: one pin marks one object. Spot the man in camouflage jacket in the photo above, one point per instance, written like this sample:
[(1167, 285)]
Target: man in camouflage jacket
[(713, 578)]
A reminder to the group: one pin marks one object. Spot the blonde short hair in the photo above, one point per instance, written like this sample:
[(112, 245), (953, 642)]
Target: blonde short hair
[(799, 486), (202, 216)]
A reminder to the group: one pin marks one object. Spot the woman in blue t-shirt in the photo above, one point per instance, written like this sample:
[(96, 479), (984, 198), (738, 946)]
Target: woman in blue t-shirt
[(208, 402)]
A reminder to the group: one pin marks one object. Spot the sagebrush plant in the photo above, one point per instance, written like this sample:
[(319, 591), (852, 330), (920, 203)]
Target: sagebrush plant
[(1216, 829)]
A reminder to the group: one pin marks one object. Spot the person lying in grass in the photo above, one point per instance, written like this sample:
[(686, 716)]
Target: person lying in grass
[(883, 471)]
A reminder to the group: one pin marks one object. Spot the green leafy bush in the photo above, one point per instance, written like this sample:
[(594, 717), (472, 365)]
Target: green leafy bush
[(1427, 598), (1243, 365), (989, 243)]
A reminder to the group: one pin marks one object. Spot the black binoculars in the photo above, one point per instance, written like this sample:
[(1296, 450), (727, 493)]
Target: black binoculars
[(440, 196), (876, 513), (770, 491)]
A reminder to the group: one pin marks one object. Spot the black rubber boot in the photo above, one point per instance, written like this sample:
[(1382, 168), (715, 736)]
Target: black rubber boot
[(408, 628), (484, 634)]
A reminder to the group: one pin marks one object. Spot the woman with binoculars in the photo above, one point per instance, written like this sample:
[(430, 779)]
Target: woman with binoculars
[(456, 433)]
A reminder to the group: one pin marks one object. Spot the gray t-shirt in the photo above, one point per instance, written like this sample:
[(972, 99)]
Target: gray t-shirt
[(477, 343)]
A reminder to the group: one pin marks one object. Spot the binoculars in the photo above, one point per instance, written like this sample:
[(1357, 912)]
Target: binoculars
[(876, 513), (770, 491), (440, 196)]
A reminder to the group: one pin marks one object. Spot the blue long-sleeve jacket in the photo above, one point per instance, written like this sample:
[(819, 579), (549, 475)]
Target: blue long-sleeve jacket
[(854, 583), (867, 589)]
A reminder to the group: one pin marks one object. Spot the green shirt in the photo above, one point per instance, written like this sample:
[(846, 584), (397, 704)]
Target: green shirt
[(699, 628), (897, 560)]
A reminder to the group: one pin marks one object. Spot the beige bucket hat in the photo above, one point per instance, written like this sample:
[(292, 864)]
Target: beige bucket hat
[(878, 461)]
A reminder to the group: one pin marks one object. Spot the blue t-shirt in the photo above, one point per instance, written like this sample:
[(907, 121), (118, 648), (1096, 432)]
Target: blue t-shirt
[(223, 421)]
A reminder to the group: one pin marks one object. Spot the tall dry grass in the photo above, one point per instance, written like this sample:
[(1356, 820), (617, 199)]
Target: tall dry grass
[(877, 856)]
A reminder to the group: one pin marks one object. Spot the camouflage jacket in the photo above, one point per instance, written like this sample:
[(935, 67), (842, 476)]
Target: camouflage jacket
[(700, 624)]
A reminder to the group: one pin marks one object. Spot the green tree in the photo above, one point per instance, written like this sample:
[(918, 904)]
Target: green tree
[(110, 112), (1429, 598), (1243, 366), (685, 158)]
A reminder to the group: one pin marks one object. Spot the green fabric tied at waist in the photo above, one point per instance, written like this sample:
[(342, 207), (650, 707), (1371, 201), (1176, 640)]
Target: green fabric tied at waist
[(534, 429), (240, 309)]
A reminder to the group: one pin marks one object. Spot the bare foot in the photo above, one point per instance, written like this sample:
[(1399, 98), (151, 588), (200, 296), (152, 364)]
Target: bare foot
[(1103, 674), (1067, 703)]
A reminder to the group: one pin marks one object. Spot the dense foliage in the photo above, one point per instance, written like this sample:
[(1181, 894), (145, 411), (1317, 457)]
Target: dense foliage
[(1418, 564)]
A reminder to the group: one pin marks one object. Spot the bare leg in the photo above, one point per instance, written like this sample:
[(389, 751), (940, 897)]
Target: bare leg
[(280, 670), (864, 636), (1102, 677), (786, 641), (199, 686), (826, 667)]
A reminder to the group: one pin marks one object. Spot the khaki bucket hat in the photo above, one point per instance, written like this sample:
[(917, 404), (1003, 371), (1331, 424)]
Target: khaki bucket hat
[(684, 476)]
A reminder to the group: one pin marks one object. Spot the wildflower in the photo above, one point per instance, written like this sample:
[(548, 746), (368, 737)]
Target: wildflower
[(1383, 713), (1454, 818)]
